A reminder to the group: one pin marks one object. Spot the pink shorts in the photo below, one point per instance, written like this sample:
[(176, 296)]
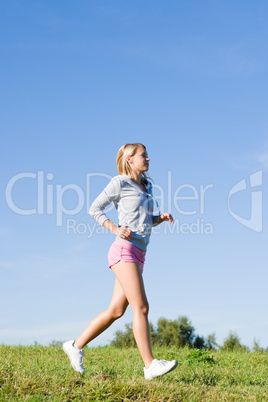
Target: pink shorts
[(122, 250)]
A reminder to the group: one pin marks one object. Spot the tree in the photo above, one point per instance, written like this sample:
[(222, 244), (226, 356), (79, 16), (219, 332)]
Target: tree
[(210, 342), (124, 338), (257, 347), (199, 342), (179, 332), (232, 342)]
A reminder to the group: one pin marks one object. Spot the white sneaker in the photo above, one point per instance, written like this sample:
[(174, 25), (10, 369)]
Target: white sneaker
[(75, 356), (159, 367)]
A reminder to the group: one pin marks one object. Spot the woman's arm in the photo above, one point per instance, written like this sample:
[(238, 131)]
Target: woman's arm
[(109, 194), (162, 218)]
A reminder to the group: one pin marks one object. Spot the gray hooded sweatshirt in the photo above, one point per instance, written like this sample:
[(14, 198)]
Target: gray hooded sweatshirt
[(134, 207)]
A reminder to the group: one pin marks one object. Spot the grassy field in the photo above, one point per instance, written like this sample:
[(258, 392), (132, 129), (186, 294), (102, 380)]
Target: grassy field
[(37, 373)]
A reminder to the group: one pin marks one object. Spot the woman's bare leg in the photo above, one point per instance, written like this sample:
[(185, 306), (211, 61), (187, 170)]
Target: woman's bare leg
[(102, 321), (130, 278)]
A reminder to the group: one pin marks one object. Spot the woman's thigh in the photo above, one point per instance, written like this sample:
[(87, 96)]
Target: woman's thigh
[(130, 278), (119, 301)]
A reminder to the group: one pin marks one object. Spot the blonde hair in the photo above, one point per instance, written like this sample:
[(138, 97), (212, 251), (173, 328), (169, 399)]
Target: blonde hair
[(122, 164)]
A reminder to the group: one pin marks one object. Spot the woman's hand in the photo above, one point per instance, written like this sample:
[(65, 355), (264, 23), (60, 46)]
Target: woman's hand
[(124, 233), (167, 217), (162, 218)]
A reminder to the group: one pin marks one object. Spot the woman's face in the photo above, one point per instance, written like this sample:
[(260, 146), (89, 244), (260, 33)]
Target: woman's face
[(140, 161)]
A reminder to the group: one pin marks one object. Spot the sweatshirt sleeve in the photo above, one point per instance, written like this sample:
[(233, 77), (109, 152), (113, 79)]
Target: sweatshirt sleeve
[(109, 194), (150, 191)]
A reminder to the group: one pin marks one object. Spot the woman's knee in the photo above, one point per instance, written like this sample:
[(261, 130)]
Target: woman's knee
[(146, 309), (142, 308), (117, 312)]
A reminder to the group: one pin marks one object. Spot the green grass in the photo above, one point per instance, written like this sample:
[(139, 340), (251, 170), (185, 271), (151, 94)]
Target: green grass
[(37, 373)]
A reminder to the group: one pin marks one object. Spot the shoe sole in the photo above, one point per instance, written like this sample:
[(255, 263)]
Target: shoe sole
[(66, 351)]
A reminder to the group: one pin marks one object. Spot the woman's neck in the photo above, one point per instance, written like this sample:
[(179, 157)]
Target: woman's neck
[(136, 177)]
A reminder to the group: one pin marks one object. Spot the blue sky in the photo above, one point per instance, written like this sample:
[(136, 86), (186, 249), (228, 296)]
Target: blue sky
[(80, 79)]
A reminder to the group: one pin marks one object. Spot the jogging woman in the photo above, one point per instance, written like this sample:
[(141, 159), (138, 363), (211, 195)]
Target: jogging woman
[(131, 194)]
